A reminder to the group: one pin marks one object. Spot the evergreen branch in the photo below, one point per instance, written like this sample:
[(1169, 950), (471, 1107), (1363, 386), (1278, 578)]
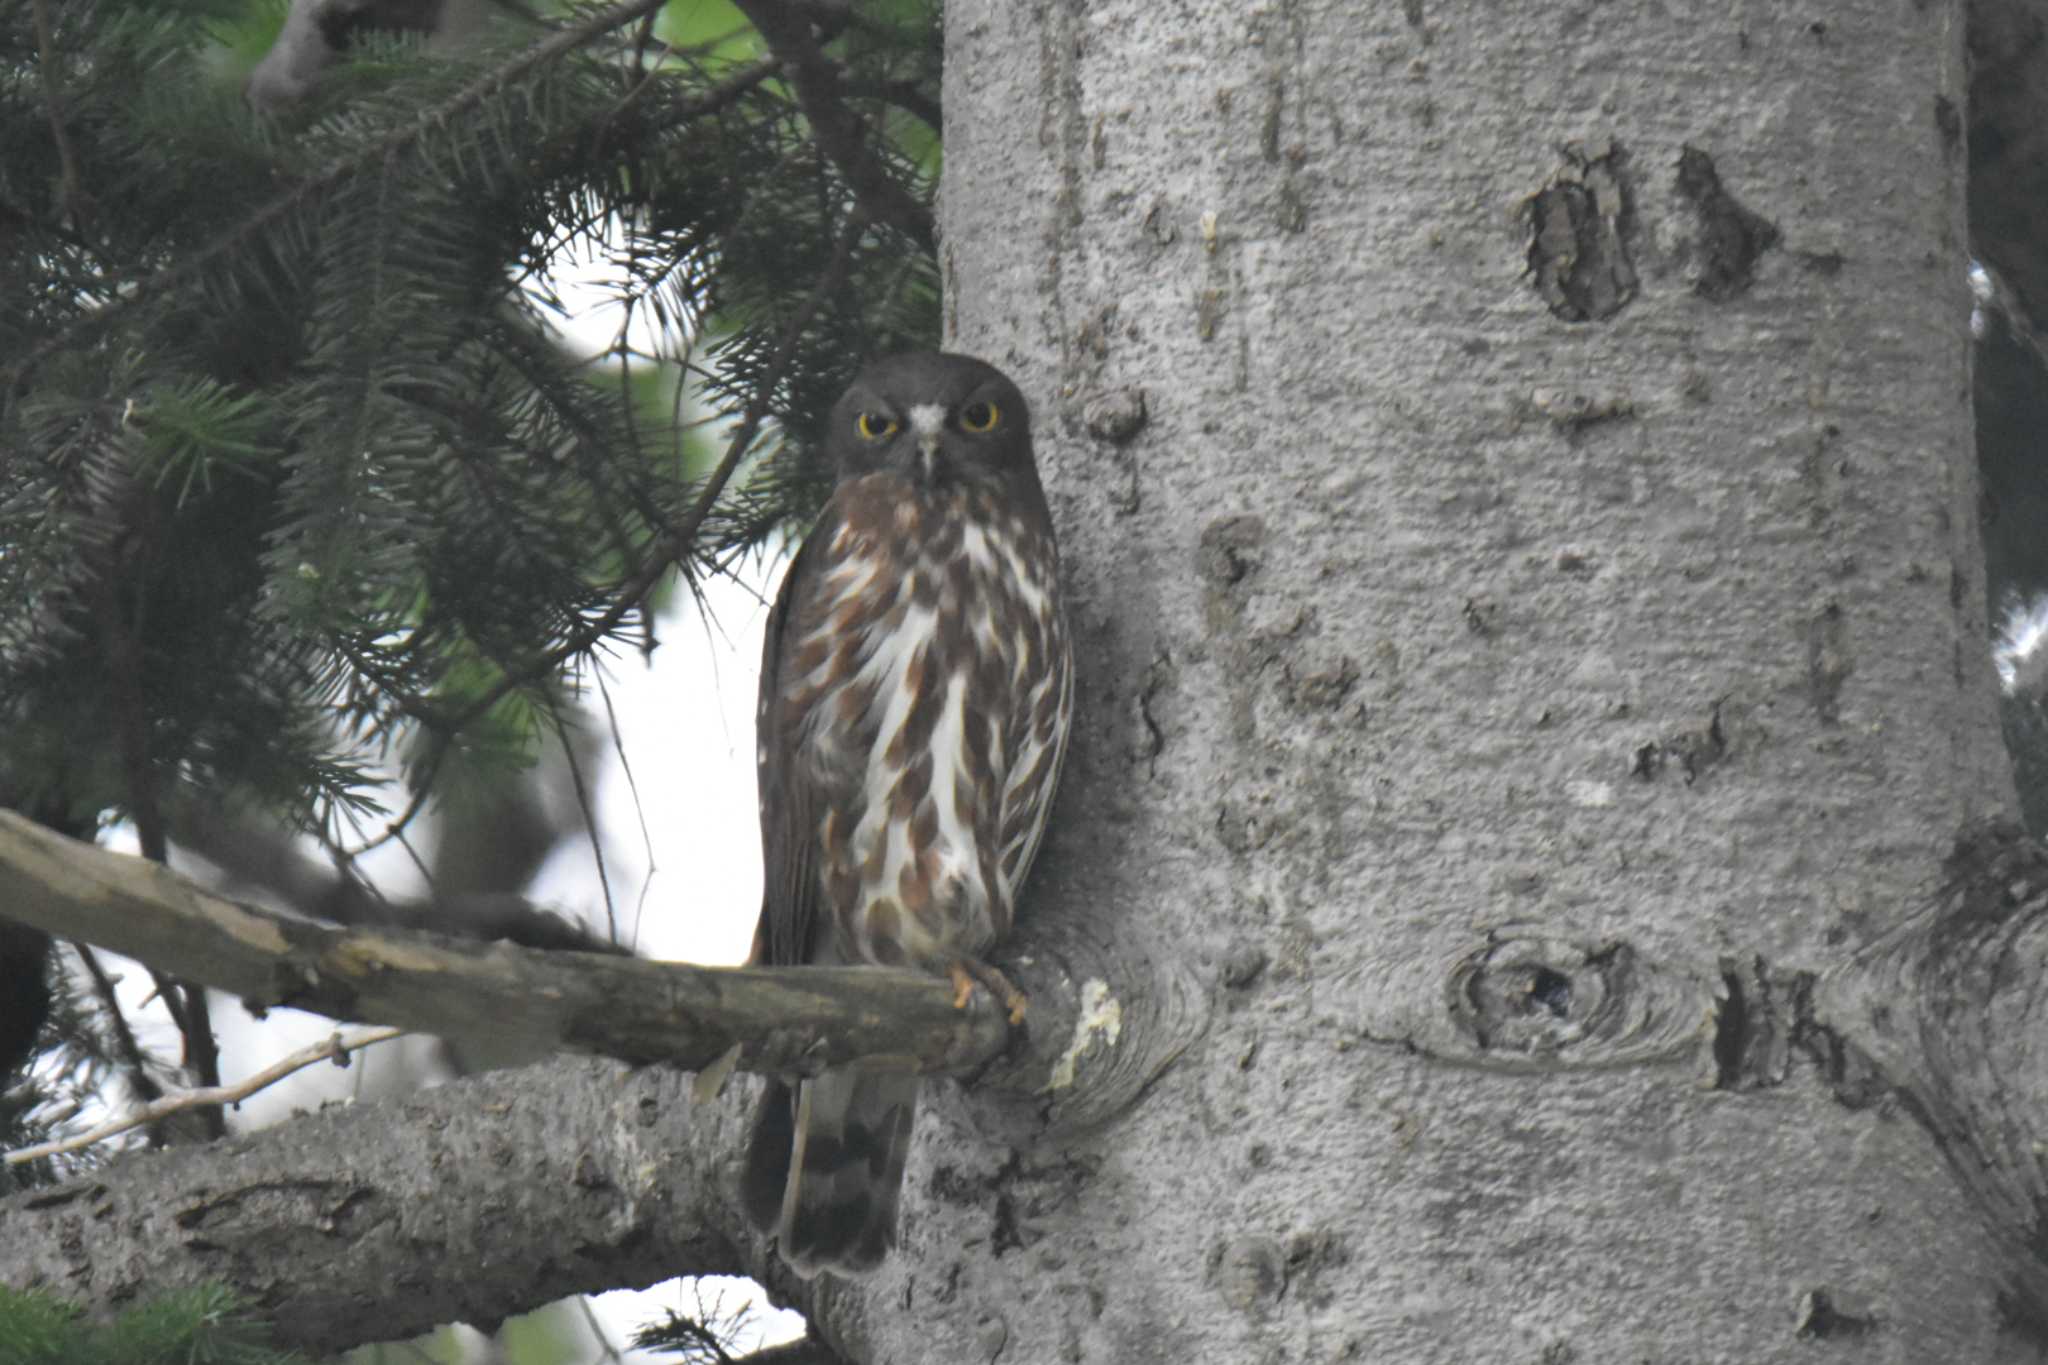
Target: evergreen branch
[(124, 296), (816, 80), (720, 96), (422, 789), (724, 93), (210, 1099), (680, 544)]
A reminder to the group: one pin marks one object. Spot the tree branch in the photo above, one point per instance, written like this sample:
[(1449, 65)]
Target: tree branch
[(335, 1049), (422, 1207), (788, 1021), (1109, 1012), (70, 184), (815, 78), (126, 1049), (122, 652), (905, 95), (672, 548), (123, 296)]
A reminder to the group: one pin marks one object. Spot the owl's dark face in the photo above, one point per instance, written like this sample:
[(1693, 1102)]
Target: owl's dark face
[(935, 418)]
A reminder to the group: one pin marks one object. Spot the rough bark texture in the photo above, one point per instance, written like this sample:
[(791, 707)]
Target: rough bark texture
[(783, 1021), (378, 1222), (1515, 466)]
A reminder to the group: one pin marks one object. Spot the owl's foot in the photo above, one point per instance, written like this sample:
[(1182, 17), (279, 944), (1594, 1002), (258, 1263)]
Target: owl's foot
[(965, 972)]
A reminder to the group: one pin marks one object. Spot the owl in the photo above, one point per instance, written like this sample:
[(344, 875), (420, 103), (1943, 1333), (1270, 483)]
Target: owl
[(916, 689)]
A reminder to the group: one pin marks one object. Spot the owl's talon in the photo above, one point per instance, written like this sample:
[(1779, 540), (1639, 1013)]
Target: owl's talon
[(967, 971), (963, 985)]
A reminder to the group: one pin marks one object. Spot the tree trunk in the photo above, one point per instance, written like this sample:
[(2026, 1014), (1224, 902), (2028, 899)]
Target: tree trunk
[(1520, 868), (1514, 467)]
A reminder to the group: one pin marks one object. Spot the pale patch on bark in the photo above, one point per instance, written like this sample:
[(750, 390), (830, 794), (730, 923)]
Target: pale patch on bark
[(1102, 1016)]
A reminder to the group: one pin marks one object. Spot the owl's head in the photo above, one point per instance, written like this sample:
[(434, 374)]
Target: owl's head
[(936, 418)]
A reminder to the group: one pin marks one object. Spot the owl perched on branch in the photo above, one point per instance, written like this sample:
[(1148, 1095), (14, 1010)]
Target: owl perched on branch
[(916, 688)]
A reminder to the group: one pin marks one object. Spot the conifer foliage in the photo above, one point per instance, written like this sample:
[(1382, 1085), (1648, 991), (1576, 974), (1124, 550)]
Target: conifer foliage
[(295, 480)]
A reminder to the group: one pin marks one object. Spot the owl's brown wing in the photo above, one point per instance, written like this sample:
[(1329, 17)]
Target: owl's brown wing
[(790, 888), (790, 892), (824, 1162)]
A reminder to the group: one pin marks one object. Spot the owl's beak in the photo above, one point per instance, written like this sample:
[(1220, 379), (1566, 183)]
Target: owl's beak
[(928, 423)]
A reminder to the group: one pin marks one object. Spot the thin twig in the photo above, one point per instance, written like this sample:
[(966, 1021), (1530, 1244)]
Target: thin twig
[(837, 130), (336, 1048), (589, 813), (639, 806), (419, 864), (423, 783), (597, 1329), (719, 96), (643, 39), (139, 1080)]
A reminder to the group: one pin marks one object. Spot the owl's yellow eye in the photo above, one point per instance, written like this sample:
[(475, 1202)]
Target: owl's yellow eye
[(980, 417), (874, 427)]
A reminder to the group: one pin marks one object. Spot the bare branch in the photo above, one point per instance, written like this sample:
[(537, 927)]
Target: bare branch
[(336, 1049), (784, 1020)]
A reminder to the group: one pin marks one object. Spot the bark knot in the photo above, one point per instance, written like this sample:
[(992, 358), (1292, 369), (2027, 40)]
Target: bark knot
[(1581, 230), (1729, 240)]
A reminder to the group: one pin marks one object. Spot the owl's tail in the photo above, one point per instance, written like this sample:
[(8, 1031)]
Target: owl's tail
[(825, 1167)]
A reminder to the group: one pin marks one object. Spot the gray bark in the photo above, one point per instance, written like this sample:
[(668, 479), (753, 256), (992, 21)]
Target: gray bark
[(379, 1222), (1515, 468), (1519, 867)]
